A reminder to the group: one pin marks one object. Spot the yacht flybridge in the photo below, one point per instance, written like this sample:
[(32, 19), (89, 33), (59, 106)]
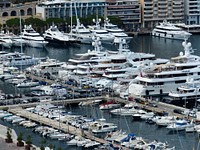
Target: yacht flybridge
[(116, 32)]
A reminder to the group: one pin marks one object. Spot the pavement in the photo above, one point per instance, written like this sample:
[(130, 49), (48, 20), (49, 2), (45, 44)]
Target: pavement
[(9, 146)]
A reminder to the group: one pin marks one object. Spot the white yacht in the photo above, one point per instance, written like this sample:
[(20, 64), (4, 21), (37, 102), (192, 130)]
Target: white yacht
[(117, 32), (163, 78), (187, 93), (53, 35), (104, 36), (168, 30), (81, 33), (19, 59), (179, 125), (47, 68), (5, 40), (103, 127), (32, 38)]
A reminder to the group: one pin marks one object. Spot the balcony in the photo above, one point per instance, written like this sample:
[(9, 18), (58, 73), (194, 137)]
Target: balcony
[(162, 11), (162, 6), (162, 2)]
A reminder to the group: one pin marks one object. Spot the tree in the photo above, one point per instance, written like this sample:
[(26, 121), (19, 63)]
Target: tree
[(50, 21), (28, 142), (35, 22), (19, 139), (9, 136), (116, 20), (14, 22), (43, 142)]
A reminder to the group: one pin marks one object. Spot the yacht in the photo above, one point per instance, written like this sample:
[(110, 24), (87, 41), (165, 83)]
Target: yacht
[(102, 127), (109, 105), (179, 125), (104, 36), (49, 67), (19, 59), (81, 33), (168, 30), (27, 84), (5, 40), (53, 35), (32, 38), (187, 93), (166, 77), (117, 32)]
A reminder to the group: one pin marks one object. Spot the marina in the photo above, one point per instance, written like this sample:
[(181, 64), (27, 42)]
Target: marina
[(158, 108)]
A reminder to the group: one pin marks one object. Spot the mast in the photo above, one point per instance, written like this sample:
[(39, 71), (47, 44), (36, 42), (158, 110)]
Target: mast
[(20, 24)]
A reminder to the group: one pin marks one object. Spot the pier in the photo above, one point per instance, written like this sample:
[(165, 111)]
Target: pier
[(65, 127)]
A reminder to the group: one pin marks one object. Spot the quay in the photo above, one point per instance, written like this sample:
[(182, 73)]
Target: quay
[(65, 127)]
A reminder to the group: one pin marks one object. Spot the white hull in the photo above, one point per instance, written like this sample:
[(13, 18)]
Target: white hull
[(180, 36), (37, 44)]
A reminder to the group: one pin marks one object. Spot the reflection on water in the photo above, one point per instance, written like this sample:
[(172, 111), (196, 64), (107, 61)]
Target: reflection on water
[(163, 48)]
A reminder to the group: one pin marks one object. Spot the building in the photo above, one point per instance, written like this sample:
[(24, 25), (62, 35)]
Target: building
[(129, 11), (64, 9), (155, 11), (192, 12), (9, 11)]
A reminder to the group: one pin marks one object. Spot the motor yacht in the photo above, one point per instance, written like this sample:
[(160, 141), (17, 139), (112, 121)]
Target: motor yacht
[(179, 125), (104, 36), (168, 30), (187, 94), (5, 40), (109, 105), (166, 77), (117, 32), (32, 38), (81, 33), (19, 59), (53, 35), (102, 127)]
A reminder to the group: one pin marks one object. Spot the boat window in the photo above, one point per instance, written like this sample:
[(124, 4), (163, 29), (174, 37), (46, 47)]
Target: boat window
[(181, 81)]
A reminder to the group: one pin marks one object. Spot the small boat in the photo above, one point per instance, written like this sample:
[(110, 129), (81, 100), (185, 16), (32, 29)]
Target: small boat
[(92, 144), (166, 120), (109, 105), (180, 125), (102, 127), (27, 83)]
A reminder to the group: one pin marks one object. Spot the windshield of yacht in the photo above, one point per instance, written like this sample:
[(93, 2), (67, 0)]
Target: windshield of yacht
[(54, 29), (30, 31)]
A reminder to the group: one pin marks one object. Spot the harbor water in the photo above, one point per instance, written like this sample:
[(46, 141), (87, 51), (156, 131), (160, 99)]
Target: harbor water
[(162, 48)]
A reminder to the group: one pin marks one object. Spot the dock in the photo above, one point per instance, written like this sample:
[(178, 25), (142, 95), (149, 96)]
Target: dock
[(66, 128)]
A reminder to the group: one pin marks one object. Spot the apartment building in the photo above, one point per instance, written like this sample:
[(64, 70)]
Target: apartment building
[(129, 11), (155, 11), (192, 12)]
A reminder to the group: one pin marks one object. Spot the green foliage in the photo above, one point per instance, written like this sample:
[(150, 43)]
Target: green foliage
[(29, 140), (59, 148), (20, 137), (68, 20), (9, 136), (116, 20), (55, 21), (8, 133), (14, 22), (35, 22)]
